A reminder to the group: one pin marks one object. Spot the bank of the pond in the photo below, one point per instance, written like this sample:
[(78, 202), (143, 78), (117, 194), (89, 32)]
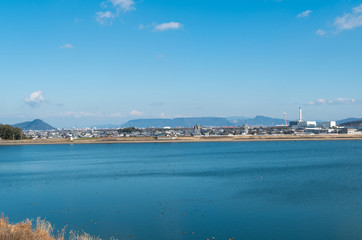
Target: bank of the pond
[(259, 138)]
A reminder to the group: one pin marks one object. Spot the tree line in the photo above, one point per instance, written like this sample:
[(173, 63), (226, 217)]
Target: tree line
[(127, 130), (8, 132)]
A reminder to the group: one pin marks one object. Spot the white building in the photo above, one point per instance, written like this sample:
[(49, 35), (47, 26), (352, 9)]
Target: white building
[(301, 123), (307, 124), (327, 125)]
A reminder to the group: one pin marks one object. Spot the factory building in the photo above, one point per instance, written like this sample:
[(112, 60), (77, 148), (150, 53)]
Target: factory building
[(301, 124), (307, 124), (327, 125)]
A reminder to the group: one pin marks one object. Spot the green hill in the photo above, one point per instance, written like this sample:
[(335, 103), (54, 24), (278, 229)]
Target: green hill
[(37, 124)]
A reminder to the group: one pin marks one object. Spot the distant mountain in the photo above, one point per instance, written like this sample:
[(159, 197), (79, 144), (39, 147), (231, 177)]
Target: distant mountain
[(37, 124), (179, 122), (352, 124), (237, 118), (204, 121), (339, 122), (261, 121)]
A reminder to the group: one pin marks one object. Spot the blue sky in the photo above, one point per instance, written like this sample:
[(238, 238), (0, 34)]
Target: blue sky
[(86, 62)]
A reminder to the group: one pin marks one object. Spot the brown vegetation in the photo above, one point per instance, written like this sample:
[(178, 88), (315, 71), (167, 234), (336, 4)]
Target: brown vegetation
[(41, 230)]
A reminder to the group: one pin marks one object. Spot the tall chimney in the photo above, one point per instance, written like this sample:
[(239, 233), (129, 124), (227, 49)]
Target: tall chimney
[(300, 114)]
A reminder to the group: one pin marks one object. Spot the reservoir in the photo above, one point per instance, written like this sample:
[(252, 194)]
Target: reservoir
[(220, 190)]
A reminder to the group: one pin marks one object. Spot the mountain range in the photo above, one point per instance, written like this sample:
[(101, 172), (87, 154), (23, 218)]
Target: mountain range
[(357, 123), (347, 120), (215, 122), (178, 122), (204, 121), (259, 121), (38, 124)]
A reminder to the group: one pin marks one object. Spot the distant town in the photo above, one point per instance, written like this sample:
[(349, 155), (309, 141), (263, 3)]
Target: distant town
[(298, 127)]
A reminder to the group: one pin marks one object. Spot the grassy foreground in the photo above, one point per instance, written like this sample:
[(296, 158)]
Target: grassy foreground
[(36, 230)]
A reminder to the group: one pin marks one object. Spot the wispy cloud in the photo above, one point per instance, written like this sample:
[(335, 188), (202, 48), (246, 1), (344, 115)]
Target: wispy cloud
[(350, 20), (35, 99), (123, 5), (335, 101), (304, 14), (320, 32), (147, 26), (105, 18), (168, 26), (136, 113), (115, 7), (357, 9), (67, 46)]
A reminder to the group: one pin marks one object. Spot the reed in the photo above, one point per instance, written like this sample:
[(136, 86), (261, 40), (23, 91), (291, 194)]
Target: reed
[(36, 230)]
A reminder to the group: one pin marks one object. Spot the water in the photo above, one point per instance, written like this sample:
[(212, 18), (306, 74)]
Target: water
[(245, 190)]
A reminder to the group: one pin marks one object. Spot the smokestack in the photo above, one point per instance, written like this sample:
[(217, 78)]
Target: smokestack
[(300, 114)]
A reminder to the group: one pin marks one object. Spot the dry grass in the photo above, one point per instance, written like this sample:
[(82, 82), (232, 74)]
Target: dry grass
[(41, 230)]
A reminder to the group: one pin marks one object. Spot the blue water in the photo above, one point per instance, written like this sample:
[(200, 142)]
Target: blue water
[(245, 190)]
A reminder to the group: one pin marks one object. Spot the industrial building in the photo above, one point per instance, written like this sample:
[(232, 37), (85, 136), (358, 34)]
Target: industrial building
[(300, 124)]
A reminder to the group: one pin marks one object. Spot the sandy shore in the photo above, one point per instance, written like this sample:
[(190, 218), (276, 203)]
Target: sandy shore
[(185, 139)]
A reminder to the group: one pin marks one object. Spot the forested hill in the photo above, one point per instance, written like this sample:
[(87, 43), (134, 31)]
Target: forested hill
[(37, 124)]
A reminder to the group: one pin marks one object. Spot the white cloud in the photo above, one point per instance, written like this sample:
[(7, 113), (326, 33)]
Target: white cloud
[(351, 20), (35, 99), (124, 5), (117, 6), (357, 9), (104, 18), (136, 113), (168, 26), (148, 26), (304, 14), (335, 101), (67, 46), (320, 32)]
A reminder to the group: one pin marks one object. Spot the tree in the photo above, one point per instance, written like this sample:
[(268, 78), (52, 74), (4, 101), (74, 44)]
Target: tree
[(8, 132), (127, 130)]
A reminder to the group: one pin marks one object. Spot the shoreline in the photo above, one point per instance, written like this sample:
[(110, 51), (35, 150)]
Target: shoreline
[(184, 139)]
